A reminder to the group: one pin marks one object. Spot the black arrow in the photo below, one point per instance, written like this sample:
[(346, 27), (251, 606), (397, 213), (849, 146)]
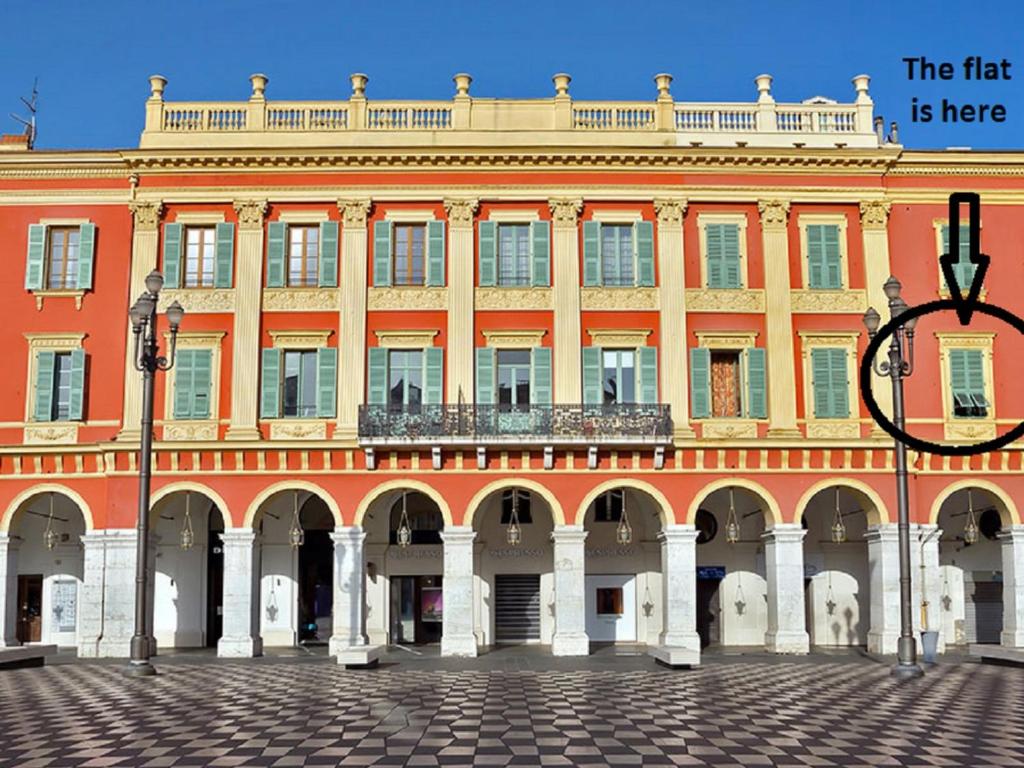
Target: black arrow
[(964, 307)]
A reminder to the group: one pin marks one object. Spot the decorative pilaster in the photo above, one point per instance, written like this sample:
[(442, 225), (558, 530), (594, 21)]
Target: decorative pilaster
[(565, 255), (241, 636), (784, 562), (457, 638), (245, 358), (884, 567), (874, 218), (8, 589), (352, 317), (778, 319), (679, 587), (145, 239), (348, 622), (1012, 540), (671, 300), (107, 614), (459, 350), (570, 638)]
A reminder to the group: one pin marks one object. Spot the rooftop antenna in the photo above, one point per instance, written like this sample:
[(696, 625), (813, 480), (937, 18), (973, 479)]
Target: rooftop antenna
[(30, 105)]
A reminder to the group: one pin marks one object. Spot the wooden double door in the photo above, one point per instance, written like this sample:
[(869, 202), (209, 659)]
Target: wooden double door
[(30, 609)]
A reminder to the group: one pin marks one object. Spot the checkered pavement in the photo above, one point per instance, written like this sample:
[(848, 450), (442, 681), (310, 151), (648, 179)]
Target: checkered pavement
[(446, 713)]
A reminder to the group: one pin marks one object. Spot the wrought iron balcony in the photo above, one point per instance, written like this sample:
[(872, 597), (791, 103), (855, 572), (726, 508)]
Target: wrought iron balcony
[(627, 424)]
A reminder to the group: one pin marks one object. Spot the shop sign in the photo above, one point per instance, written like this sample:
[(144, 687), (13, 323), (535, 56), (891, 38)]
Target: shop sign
[(415, 553), (611, 552), (711, 572), (514, 552)]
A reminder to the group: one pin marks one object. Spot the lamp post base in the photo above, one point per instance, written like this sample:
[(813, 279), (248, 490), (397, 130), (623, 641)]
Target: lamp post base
[(140, 669), (906, 671)]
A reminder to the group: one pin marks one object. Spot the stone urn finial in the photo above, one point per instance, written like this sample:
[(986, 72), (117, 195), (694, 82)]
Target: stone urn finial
[(764, 88), (359, 81), (462, 81), (259, 85), (860, 83), (664, 82), (157, 83), (561, 81)]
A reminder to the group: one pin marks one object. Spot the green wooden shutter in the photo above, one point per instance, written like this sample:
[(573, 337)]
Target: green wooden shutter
[(270, 384), (36, 258), (76, 401), (377, 376), (963, 269), (86, 256), (958, 375), (647, 369), (731, 256), (326, 382), (224, 255), (833, 257), (327, 272), (643, 232), (382, 253), (593, 389), (815, 256), (540, 391), (183, 391), (840, 384), (172, 255), (433, 376), (540, 247), (757, 388), (591, 253), (484, 376), (700, 383), (715, 256), (45, 363), (435, 253), (488, 253), (277, 246), (821, 383), (202, 382), (974, 364)]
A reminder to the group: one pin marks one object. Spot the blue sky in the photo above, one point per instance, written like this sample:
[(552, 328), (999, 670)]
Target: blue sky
[(93, 58)]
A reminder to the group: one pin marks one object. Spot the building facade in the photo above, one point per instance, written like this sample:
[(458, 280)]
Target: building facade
[(488, 371)]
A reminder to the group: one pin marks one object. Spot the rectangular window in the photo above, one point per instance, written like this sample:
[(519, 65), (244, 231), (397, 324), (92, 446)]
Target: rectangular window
[(299, 383), (200, 245), (964, 269), (61, 408), (609, 601), (967, 380), (63, 266), (824, 257), (619, 376), (513, 379), (409, 258), (303, 256), (726, 385), (514, 254), (617, 254), (405, 385)]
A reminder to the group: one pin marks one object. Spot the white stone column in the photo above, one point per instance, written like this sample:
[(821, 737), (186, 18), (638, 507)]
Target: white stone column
[(679, 591), (565, 293), (1012, 540), (107, 614), (570, 638), (930, 582), (457, 638), (245, 347), (347, 624), (784, 563), (352, 319), (9, 589), (241, 633), (459, 349), (884, 569)]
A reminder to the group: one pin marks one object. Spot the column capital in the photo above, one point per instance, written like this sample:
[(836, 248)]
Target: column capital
[(565, 211), (460, 211), (250, 213), (146, 214), (458, 534), (671, 212), (874, 214), (238, 536), (1012, 534), (680, 533), (351, 534), (568, 534), (774, 213), (785, 533), (883, 532), (355, 212)]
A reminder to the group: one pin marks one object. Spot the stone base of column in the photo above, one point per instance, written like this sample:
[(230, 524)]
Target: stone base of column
[(787, 642), (240, 647), (129, 436), (243, 433), (688, 640), (346, 432), (883, 642), (684, 433), (784, 433), (458, 645), (1012, 639), (339, 643), (570, 644)]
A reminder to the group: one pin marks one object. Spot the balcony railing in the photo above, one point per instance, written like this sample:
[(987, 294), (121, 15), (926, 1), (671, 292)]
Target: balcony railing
[(536, 424)]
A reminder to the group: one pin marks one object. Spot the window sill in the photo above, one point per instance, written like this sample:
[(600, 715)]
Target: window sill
[(305, 298), (970, 429), (298, 429), (728, 429), (944, 293), (190, 430), (51, 433), (58, 294), (833, 429)]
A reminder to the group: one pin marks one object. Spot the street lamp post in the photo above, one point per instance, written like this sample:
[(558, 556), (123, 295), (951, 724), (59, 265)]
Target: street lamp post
[(898, 367), (147, 360)]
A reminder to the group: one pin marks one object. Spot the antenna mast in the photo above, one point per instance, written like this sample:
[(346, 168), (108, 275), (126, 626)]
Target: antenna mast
[(30, 122)]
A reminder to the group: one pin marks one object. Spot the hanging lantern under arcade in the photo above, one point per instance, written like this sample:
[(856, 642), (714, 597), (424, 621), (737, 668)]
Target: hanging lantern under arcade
[(296, 536), (188, 538), (623, 532), (514, 534), (51, 536), (838, 526), (971, 528), (404, 533), (732, 525)]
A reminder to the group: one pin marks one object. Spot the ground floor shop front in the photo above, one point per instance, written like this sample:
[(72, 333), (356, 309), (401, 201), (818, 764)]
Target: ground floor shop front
[(734, 562)]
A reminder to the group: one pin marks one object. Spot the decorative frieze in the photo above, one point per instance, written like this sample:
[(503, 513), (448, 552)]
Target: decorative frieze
[(460, 212), (874, 214), (199, 300), (301, 299), (513, 298), (629, 298), (405, 339), (670, 212), (722, 300), (413, 297), (146, 214), (56, 433), (774, 213), (305, 429), (565, 212), (828, 301), (190, 431), (354, 212), (833, 430), (729, 430), (250, 213)]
